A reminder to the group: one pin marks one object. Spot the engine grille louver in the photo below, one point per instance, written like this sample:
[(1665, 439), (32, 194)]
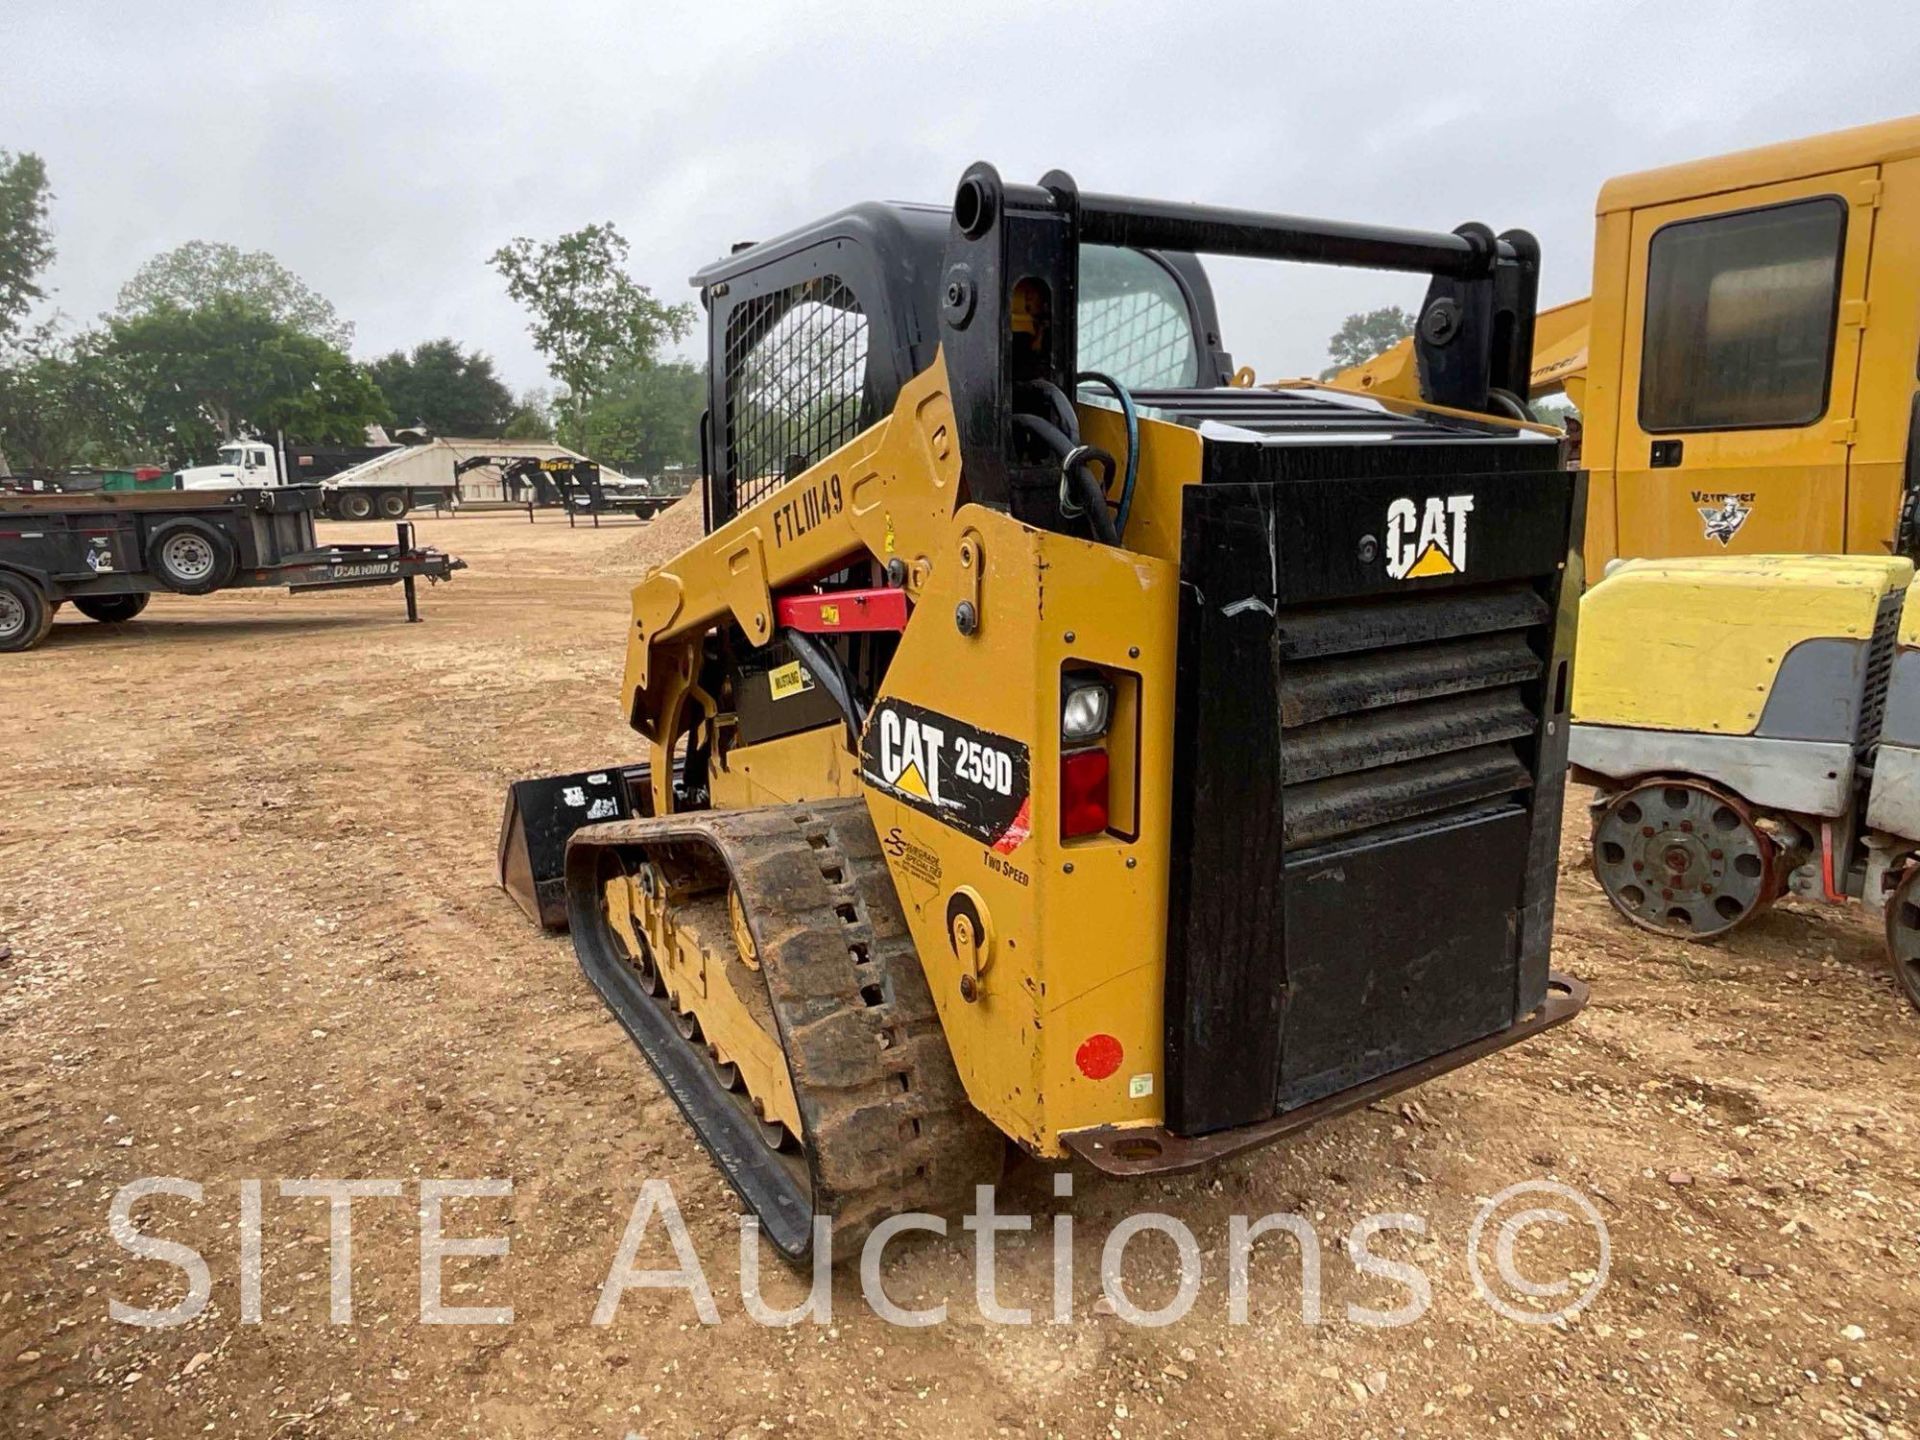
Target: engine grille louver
[(1400, 708), (1873, 691)]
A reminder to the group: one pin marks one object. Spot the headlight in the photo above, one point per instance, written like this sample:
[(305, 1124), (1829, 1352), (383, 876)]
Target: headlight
[(1086, 707)]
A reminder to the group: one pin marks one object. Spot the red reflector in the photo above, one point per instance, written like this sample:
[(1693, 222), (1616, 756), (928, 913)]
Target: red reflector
[(1083, 793), (1099, 1056)]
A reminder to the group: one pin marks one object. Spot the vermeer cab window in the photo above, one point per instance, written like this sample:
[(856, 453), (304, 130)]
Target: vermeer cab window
[(1134, 321), (1740, 319)]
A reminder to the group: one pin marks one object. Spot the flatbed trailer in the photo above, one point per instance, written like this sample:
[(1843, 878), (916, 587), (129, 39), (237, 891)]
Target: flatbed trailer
[(108, 552), (643, 507)]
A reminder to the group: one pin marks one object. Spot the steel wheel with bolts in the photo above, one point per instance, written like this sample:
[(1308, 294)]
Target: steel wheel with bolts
[(189, 556), (1683, 858), (1903, 933)]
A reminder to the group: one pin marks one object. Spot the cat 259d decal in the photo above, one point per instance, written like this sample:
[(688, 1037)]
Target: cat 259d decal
[(963, 776)]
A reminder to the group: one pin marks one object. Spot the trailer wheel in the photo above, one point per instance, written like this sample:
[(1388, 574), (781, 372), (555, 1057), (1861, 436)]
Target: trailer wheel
[(25, 614), (393, 504), (190, 557), (111, 609), (355, 505)]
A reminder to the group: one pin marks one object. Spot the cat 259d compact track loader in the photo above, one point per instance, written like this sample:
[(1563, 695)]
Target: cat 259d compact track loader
[(1049, 739)]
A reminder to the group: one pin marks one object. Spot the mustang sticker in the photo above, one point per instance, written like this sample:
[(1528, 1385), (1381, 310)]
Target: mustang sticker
[(968, 778), (786, 681)]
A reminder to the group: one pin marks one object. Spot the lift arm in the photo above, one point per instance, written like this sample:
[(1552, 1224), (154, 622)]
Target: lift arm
[(889, 493)]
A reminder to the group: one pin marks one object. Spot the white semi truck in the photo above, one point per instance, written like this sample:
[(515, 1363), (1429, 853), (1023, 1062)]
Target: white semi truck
[(386, 482), (348, 495)]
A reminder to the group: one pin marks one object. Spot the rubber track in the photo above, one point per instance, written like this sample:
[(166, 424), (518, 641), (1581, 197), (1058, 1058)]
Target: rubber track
[(888, 1127)]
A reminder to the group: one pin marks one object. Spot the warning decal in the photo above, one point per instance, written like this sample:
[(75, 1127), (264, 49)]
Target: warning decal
[(788, 680), (968, 778)]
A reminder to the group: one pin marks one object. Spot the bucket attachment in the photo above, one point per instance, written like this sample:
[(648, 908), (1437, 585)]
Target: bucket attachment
[(541, 814)]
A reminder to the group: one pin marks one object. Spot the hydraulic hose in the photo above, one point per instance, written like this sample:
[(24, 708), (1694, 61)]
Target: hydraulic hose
[(1062, 403), (1132, 417), (1094, 493), (1075, 467), (827, 673)]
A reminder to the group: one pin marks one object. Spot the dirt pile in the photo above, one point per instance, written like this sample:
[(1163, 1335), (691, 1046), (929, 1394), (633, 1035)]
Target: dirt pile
[(659, 540)]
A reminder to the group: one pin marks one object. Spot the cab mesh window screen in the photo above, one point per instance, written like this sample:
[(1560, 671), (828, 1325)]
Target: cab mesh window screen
[(796, 376), (1740, 319), (1134, 322)]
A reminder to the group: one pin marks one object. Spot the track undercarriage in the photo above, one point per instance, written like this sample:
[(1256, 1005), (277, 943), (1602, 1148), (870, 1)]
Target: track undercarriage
[(760, 961)]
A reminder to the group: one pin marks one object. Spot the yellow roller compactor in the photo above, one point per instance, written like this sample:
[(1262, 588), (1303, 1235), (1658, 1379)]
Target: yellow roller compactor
[(1753, 728), (1049, 741)]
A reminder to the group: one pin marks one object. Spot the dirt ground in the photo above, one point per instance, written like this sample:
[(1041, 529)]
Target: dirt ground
[(246, 847)]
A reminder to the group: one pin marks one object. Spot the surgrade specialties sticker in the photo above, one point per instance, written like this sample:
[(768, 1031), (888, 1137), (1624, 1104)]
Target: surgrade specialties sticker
[(966, 777)]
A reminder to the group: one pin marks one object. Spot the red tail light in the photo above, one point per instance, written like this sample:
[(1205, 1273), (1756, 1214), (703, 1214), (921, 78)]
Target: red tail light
[(1083, 793)]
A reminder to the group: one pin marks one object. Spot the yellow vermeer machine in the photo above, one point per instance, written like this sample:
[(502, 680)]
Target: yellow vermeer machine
[(1050, 741), (1745, 368), (1746, 372), (1753, 727)]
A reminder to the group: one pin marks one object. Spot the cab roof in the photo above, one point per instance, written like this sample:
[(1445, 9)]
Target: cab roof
[(1792, 160), (892, 227)]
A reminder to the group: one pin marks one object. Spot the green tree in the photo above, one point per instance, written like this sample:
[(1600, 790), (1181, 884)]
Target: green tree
[(445, 389), (62, 404), (532, 417), (589, 315), (26, 242), (647, 417), (1364, 335), (201, 376), (196, 274)]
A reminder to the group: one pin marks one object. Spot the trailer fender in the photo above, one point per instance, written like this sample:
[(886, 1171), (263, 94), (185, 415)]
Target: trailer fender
[(39, 577)]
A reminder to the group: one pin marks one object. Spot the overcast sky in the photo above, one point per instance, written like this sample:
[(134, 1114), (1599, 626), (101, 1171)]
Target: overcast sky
[(383, 148)]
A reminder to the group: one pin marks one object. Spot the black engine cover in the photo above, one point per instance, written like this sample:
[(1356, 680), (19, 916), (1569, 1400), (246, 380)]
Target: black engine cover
[(1370, 751)]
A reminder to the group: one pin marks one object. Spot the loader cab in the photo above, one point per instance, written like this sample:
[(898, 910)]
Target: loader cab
[(1755, 338), (811, 336)]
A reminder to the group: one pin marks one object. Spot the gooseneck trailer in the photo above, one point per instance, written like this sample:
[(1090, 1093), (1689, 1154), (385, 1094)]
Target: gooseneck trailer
[(108, 552)]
